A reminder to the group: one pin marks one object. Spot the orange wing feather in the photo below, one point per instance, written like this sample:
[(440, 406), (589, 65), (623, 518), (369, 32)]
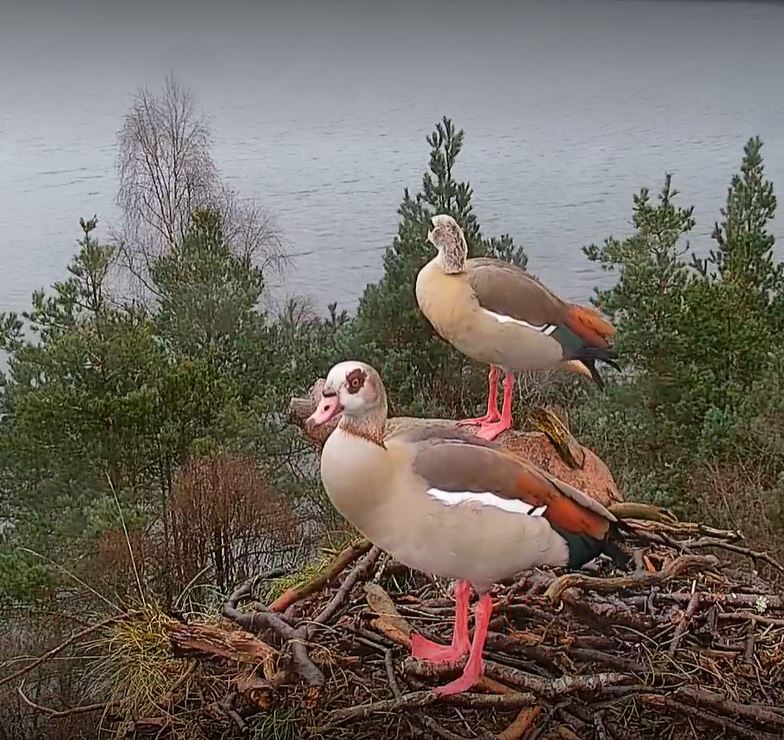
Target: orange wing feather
[(594, 330), (563, 510), (452, 464)]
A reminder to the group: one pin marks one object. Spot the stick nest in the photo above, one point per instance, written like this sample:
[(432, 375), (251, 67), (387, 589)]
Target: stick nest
[(689, 642)]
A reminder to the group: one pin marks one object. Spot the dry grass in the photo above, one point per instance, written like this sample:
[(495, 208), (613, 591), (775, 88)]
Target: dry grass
[(134, 664), (736, 495)]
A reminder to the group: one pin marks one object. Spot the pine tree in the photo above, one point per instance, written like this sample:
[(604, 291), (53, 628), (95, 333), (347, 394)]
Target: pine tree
[(744, 254), (425, 374), (696, 336)]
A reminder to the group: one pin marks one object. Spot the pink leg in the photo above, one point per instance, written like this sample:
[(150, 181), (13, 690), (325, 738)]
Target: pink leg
[(492, 401), (474, 668), (424, 649), (491, 431)]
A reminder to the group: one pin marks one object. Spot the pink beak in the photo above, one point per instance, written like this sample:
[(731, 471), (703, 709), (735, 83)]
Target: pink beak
[(328, 408)]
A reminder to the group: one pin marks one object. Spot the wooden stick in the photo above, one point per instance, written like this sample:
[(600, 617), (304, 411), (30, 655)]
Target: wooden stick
[(677, 567), (524, 721), (58, 713), (425, 698), (755, 555), (694, 603), (337, 600), (335, 568), (57, 650), (660, 703)]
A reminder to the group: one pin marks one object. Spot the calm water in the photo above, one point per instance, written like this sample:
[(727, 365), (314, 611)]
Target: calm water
[(320, 111)]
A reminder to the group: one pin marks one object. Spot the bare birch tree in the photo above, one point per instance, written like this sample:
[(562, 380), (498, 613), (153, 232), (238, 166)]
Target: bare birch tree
[(166, 172)]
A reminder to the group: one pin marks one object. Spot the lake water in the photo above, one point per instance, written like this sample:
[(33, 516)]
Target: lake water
[(320, 110)]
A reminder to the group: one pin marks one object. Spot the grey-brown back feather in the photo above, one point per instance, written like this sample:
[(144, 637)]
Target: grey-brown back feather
[(506, 289)]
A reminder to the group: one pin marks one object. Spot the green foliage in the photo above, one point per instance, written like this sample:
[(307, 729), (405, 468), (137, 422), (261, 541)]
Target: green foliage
[(744, 254), (207, 296), (102, 398), (428, 376), (695, 336), (21, 577), (77, 401), (103, 401)]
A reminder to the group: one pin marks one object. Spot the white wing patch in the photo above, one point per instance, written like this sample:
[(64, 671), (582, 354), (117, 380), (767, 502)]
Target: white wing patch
[(545, 329), (513, 505)]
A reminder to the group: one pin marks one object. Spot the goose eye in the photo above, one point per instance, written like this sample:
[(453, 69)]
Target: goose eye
[(355, 380)]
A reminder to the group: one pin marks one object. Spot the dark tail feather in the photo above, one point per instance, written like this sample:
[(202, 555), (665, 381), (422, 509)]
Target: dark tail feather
[(588, 356), (597, 378), (583, 548), (613, 551)]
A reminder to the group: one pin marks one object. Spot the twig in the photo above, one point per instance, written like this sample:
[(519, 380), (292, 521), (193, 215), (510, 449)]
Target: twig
[(734, 600), (694, 603), (391, 674), (523, 722), (336, 567), (681, 528), (425, 698), (549, 688), (601, 729), (755, 555), (764, 716), (748, 653), (227, 705), (336, 601), (438, 730), (169, 696), (74, 577), (665, 702), (178, 601), (262, 619), (72, 639), (677, 567), (761, 618), (58, 713)]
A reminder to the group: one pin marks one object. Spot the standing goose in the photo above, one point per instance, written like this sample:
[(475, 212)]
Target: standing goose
[(449, 504), (496, 313)]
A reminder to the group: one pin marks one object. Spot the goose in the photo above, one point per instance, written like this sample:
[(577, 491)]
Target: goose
[(450, 504), (496, 313)]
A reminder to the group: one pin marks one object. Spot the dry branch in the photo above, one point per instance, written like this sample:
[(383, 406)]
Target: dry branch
[(680, 566), (608, 662), (666, 703), (210, 641), (78, 636), (339, 564), (425, 698), (61, 713), (521, 725)]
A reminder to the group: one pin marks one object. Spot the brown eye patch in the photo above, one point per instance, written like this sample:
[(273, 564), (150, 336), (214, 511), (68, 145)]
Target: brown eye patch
[(355, 380)]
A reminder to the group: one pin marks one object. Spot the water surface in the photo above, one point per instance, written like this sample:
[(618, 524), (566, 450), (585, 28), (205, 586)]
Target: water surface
[(320, 110)]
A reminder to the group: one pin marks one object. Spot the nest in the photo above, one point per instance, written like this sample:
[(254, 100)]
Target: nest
[(687, 645)]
